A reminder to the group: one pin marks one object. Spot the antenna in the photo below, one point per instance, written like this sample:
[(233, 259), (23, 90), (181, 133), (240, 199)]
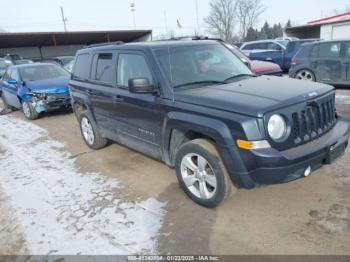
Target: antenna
[(64, 20)]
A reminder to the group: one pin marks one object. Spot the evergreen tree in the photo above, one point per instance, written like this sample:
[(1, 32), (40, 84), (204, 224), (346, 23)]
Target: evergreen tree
[(252, 35)]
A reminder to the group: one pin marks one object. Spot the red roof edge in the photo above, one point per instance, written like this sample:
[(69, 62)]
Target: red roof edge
[(328, 18)]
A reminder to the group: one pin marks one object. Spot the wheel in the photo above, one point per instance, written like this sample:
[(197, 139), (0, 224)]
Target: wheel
[(90, 132), (306, 75), (29, 111), (202, 174)]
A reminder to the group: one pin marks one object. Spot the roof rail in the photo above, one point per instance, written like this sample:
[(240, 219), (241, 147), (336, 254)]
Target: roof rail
[(107, 43)]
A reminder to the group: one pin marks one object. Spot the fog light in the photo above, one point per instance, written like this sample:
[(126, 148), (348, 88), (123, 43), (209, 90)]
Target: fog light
[(307, 171)]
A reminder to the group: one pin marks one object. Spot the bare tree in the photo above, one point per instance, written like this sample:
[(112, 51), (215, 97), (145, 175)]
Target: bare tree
[(221, 20), (248, 13)]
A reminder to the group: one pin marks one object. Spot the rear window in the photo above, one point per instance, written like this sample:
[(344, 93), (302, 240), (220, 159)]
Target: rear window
[(256, 46), (329, 50), (103, 68), (81, 69)]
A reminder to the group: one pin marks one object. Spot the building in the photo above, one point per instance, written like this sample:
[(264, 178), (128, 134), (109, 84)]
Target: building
[(329, 28), (43, 45)]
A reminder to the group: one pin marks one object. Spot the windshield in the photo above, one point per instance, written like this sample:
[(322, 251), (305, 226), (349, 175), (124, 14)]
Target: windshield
[(42, 72), (195, 65)]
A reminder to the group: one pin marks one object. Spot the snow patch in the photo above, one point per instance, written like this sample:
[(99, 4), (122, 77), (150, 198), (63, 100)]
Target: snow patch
[(64, 211), (341, 99)]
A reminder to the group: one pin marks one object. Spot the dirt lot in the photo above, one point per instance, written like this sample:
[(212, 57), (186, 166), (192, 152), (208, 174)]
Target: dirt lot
[(147, 211)]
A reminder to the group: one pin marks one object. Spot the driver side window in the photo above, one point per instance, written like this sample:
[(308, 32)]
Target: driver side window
[(132, 66)]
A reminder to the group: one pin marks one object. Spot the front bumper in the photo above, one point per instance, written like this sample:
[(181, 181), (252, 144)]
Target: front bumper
[(51, 102), (269, 166)]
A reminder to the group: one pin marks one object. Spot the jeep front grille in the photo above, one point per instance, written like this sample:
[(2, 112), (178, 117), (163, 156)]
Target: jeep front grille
[(313, 121)]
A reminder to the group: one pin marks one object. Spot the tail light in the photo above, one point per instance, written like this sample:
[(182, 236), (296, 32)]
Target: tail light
[(294, 61)]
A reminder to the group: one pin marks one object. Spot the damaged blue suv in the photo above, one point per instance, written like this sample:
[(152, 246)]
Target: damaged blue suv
[(35, 88)]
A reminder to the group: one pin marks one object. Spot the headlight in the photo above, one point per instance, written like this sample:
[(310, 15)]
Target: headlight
[(277, 127)]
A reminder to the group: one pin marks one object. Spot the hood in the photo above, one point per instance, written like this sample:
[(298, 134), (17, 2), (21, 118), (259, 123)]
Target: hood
[(261, 67), (49, 86), (254, 96)]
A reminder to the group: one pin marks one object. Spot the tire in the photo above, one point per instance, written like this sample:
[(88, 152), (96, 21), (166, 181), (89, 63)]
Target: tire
[(306, 75), (90, 132), (207, 188), (29, 111)]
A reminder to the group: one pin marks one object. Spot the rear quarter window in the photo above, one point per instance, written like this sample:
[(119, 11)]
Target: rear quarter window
[(81, 70), (314, 51)]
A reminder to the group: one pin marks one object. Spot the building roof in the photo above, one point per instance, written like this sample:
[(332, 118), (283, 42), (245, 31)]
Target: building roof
[(10, 40), (332, 19)]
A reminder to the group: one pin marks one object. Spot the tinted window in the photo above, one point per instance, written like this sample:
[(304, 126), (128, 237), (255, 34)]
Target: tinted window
[(330, 50), (132, 66), (255, 46), (347, 49), (104, 68), (273, 46), (314, 51), (291, 46), (82, 67)]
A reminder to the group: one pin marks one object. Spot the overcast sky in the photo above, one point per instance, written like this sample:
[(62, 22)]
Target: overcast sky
[(44, 15)]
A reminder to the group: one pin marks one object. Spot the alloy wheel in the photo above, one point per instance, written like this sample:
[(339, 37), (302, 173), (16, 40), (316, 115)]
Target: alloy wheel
[(305, 75), (198, 176), (87, 131)]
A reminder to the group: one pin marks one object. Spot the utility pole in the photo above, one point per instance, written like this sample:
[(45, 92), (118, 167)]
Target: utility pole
[(133, 10), (64, 20), (165, 22), (197, 17)]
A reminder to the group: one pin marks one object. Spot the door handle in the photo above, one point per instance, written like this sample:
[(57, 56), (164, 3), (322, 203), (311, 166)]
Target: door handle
[(118, 99), (90, 92)]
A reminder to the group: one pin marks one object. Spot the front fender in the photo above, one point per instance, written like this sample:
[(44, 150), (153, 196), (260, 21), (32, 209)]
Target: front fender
[(215, 129)]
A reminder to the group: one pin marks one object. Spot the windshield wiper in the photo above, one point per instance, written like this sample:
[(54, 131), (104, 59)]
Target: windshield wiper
[(238, 76), (201, 83)]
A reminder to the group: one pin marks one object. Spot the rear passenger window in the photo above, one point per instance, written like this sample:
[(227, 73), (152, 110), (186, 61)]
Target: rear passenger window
[(81, 69), (330, 50), (347, 50), (314, 51), (132, 66), (104, 68), (256, 46)]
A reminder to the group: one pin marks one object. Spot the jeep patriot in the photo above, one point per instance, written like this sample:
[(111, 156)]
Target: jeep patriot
[(198, 108)]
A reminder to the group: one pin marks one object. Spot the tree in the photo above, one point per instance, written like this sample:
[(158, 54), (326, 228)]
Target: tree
[(221, 19), (289, 24), (248, 13), (252, 35)]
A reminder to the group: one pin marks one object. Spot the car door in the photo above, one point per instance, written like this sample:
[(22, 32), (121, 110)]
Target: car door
[(10, 89), (328, 67), (139, 116), (346, 64), (102, 91)]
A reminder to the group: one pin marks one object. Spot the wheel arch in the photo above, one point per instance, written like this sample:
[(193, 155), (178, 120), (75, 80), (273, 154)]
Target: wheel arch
[(182, 127)]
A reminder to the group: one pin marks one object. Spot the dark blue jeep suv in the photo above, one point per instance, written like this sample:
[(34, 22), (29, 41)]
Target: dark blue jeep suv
[(197, 107)]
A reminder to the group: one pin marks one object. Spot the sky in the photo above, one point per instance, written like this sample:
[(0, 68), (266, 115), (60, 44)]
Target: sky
[(159, 15)]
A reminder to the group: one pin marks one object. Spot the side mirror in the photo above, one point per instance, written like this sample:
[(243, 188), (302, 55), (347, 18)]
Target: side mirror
[(12, 81), (140, 86)]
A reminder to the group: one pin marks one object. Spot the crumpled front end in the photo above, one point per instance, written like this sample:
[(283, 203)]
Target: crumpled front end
[(48, 101)]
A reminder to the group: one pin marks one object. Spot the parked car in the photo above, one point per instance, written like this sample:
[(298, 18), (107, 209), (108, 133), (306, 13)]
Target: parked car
[(280, 52), (63, 60), (69, 66), (35, 88), (326, 62), (195, 106), (257, 67)]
